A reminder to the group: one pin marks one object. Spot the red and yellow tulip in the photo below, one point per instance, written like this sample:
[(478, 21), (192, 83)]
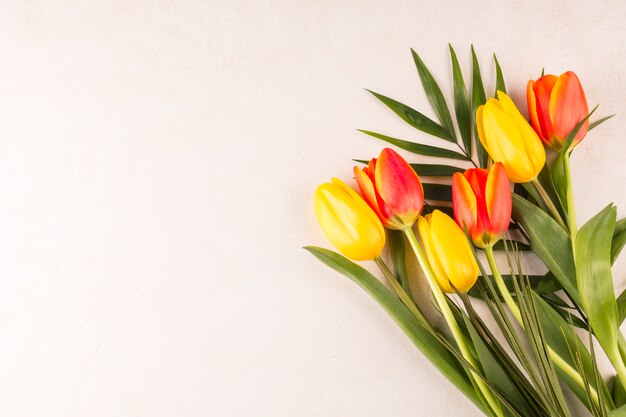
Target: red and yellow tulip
[(556, 105), (482, 203), (348, 222), (448, 252), (392, 189), (509, 139)]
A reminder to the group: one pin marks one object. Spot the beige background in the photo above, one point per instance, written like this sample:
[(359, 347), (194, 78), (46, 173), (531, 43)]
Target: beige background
[(157, 165)]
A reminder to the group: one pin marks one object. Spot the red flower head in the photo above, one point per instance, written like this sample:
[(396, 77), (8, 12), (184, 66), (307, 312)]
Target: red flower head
[(482, 203), (392, 189), (556, 105)]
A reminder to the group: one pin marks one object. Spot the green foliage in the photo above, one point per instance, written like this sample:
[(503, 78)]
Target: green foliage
[(595, 282), (549, 241), (430, 345)]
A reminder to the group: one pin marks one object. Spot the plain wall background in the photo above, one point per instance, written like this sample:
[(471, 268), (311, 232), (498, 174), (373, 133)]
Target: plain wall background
[(157, 166)]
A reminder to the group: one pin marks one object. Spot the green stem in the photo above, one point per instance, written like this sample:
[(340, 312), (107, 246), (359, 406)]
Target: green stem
[(402, 295), (556, 358), (571, 209), (549, 203), (460, 339)]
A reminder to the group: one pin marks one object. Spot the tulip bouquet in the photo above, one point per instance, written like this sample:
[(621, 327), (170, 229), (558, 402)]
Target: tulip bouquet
[(504, 194)]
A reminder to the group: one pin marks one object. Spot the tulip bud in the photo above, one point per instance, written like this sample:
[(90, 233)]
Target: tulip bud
[(556, 105), (348, 222), (392, 189), (448, 252), (509, 139), (482, 203)]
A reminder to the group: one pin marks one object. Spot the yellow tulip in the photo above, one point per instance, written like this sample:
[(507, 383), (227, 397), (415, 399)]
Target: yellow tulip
[(508, 138), (348, 222), (448, 252)]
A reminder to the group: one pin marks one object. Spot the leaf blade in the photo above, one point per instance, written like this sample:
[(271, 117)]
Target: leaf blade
[(462, 107), (414, 118), (594, 278), (549, 241), (417, 148), (478, 99), (434, 95)]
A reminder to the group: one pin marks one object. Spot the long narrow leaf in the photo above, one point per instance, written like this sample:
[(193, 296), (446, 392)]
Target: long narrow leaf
[(435, 96), (417, 148), (478, 99), (499, 77), (414, 118), (438, 192), (564, 340), (598, 122), (462, 107), (428, 170)]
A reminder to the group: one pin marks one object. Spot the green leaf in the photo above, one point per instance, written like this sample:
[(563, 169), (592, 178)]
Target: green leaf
[(546, 180), (428, 170), (499, 78), (565, 342), (438, 192), (549, 241), (397, 250), (619, 394), (598, 122), (417, 148), (434, 170), (435, 96), (595, 282), (424, 340), (415, 118), (567, 144), (478, 99), (619, 239), (620, 412), (621, 307), (462, 107), (537, 283), (559, 180), (493, 371)]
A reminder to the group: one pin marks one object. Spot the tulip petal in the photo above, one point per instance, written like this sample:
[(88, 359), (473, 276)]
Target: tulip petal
[(463, 202), (506, 143), (424, 228), (543, 89), (498, 199), (532, 109), (479, 128), (398, 185), (367, 189), (568, 106), (348, 222), (454, 252)]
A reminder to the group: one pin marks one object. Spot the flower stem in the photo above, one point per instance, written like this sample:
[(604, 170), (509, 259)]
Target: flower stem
[(571, 209), (554, 356), (402, 295), (458, 335), (549, 203)]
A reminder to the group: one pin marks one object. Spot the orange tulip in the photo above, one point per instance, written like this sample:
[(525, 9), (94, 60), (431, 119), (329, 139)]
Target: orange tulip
[(482, 203), (556, 105), (392, 189)]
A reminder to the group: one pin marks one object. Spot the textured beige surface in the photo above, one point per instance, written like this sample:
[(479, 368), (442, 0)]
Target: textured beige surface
[(157, 165)]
